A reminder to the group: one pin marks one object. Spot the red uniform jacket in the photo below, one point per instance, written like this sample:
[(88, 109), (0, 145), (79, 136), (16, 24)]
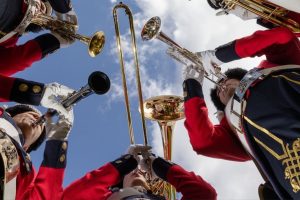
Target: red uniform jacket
[(47, 183), (281, 47), (15, 58), (95, 185)]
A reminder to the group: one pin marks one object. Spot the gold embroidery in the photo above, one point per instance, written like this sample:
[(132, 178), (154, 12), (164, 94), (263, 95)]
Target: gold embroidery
[(290, 158), (2, 34), (287, 78)]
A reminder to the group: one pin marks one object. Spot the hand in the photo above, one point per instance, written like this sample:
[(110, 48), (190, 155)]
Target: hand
[(61, 129), (190, 72), (219, 115), (209, 60), (145, 164), (54, 93), (141, 153), (242, 13), (136, 149), (71, 18)]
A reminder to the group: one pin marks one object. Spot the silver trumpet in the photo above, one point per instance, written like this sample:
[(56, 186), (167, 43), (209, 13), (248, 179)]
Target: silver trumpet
[(152, 29), (98, 83)]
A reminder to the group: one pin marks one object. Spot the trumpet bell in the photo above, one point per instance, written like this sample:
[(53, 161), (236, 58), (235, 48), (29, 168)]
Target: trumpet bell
[(151, 29), (165, 108), (96, 43)]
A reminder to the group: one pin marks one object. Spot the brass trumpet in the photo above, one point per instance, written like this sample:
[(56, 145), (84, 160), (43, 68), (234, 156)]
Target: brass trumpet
[(152, 30), (158, 187), (266, 10), (65, 29)]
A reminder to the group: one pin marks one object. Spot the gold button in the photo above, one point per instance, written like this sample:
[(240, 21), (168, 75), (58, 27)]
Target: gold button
[(36, 89), (62, 158), (64, 146), (23, 87), (118, 161)]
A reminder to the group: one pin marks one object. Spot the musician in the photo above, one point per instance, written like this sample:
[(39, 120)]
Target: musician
[(126, 171), (270, 123), (17, 126), (247, 15), (16, 57)]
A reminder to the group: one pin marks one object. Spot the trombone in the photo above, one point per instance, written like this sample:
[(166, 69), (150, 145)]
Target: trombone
[(65, 29), (137, 71), (157, 186)]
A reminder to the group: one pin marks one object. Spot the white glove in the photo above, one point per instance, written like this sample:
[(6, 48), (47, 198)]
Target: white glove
[(145, 164), (61, 129), (70, 17), (54, 93), (190, 72), (144, 157), (209, 60), (219, 115), (242, 13), (138, 149)]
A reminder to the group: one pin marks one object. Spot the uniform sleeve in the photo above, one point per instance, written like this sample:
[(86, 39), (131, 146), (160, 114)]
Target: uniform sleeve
[(19, 57), (191, 186), (62, 6), (94, 185), (47, 184), (279, 45), (217, 141), (20, 90)]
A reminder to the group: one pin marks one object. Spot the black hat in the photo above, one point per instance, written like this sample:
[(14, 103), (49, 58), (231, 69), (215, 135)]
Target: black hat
[(235, 73), (10, 15), (22, 108)]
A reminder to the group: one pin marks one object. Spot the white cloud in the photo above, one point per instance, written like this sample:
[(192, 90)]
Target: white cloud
[(193, 25)]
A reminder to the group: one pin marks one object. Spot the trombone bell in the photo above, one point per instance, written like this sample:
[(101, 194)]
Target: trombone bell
[(166, 110)]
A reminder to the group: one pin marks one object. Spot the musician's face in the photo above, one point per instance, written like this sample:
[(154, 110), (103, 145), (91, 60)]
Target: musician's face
[(25, 121), (226, 89), (135, 178)]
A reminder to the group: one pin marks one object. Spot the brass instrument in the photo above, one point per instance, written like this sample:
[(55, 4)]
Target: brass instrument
[(98, 83), (157, 186), (137, 71), (266, 10), (166, 110), (65, 29), (152, 30)]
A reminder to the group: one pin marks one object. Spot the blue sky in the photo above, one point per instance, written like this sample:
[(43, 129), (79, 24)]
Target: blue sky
[(100, 132)]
